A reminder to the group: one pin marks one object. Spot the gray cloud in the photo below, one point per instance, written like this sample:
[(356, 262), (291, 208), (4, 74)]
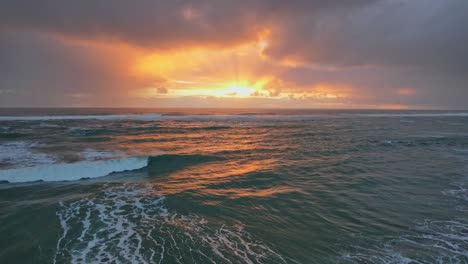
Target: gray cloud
[(419, 33), (154, 24), (377, 46), (40, 70), (338, 33)]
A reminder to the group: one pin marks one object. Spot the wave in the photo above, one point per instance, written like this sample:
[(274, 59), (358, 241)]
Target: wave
[(427, 140), (278, 116), (22, 154), (98, 164), (81, 117), (11, 135), (92, 154), (167, 163), (81, 132), (155, 117), (130, 223), (202, 128), (429, 242), (73, 171)]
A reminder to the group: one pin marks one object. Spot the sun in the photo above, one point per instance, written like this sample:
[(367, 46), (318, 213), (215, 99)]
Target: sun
[(238, 90)]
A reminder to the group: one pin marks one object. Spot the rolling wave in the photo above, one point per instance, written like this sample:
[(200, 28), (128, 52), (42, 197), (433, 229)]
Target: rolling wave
[(94, 168), (73, 171)]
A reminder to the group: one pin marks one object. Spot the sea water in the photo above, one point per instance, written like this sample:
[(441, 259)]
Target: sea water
[(233, 186)]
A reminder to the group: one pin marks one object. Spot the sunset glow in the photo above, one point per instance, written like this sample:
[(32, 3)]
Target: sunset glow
[(262, 54), (224, 131)]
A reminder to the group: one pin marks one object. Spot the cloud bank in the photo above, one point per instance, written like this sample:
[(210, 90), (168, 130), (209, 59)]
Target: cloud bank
[(268, 53)]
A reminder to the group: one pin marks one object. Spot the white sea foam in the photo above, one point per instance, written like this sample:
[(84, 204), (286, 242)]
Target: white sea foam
[(460, 192), (73, 171), (459, 189), (48, 125), (22, 154), (92, 154), (129, 223), (429, 242)]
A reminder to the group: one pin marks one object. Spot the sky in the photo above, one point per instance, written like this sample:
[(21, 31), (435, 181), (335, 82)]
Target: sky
[(383, 54)]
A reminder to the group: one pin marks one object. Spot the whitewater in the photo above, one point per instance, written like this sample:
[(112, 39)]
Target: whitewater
[(233, 186)]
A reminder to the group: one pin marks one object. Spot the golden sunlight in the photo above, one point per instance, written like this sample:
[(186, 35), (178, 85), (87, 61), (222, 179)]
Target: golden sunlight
[(238, 90), (234, 72)]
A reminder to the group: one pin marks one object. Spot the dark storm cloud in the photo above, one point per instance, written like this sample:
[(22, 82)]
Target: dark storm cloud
[(338, 33), (376, 46), (420, 33), (39, 70), (144, 23), (157, 23)]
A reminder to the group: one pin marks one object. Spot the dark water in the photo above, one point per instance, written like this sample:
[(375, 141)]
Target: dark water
[(233, 186)]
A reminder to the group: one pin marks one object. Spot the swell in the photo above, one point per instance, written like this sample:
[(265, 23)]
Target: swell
[(12, 135), (167, 163)]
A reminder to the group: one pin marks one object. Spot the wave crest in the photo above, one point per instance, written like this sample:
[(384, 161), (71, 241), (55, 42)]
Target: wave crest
[(73, 171)]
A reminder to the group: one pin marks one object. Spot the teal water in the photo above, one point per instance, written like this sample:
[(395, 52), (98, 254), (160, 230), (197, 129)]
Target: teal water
[(233, 186)]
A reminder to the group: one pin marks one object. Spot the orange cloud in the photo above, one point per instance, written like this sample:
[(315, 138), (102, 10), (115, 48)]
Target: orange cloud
[(240, 72)]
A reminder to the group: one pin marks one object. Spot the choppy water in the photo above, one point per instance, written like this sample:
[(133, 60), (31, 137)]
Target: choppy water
[(233, 186)]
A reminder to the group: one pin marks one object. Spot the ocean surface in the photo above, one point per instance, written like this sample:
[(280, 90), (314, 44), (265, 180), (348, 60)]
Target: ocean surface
[(233, 186)]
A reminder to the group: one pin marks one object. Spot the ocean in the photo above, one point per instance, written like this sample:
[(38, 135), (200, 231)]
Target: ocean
[(233, 186)]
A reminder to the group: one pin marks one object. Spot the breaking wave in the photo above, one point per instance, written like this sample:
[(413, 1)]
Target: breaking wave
[(73, 171), (99, 164), (129, 223), (22, 154)]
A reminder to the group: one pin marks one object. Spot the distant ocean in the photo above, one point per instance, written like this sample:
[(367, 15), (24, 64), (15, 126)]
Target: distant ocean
[(233, 186)]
